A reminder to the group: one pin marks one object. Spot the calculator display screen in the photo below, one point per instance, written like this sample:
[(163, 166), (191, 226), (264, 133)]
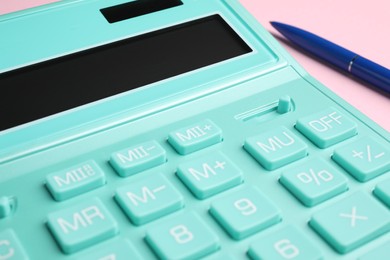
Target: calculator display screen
[(53, 86)]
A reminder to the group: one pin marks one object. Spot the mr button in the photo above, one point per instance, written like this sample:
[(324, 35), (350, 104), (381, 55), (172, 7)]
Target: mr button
[(326, 128), (82, 225)]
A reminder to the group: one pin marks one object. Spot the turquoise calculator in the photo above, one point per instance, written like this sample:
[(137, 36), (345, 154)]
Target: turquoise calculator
[(178, 129)]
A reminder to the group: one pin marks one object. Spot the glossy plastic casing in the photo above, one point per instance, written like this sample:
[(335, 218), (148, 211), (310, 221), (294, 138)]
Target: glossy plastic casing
[(225, 92)]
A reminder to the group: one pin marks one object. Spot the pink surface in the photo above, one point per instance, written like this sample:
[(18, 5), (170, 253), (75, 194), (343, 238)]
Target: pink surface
[(8, 6), (361, 26)]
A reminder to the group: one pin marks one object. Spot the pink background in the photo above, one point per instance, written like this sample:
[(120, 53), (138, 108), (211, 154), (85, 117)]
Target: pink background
[(361, 26)]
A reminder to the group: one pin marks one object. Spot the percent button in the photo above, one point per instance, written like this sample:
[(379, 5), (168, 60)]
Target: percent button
[(314, 182)]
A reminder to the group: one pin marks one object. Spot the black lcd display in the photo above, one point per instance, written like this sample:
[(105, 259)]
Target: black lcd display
[(53, 86)]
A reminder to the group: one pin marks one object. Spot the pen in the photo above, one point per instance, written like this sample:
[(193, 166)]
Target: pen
[(360, 67)]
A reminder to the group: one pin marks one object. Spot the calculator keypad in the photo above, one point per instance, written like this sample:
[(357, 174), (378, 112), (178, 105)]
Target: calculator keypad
[(151, 212)]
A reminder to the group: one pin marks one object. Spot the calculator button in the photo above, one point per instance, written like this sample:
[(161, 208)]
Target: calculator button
[(209, 175), (184, 236), (118, 249), (138, 158), (326, 128), (83, 225), (195, 137), (314, 182), (148, 199), (363, 159), (286, 243), (10, 247), (382, 191), (245, 212), (351, 222), (276, 148), (75, 180), (381, 252)]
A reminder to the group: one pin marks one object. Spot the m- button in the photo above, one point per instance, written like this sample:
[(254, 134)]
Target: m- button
[(326, 128)]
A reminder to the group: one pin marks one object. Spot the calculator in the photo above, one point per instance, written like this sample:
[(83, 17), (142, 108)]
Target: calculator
[(178, 129)]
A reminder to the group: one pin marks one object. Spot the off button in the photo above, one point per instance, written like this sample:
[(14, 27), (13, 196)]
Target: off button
[(326, 128)]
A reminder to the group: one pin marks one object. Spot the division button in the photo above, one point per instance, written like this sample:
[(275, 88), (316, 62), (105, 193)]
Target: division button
[(195, 137)]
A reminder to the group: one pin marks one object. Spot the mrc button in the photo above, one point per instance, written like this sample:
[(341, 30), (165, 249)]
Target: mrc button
[(75, 180), (326, 128)]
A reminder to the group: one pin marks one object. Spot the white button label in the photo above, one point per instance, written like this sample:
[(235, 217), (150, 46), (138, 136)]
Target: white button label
[(275, 143), (81, 219)]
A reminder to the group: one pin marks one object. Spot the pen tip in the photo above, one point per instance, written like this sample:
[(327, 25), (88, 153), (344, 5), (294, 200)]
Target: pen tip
[(276, 25)]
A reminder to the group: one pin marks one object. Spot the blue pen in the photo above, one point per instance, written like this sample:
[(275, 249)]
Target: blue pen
[(338, 56)]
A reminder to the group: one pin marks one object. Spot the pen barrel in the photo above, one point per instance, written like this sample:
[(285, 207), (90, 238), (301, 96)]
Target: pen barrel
[(372, 73)]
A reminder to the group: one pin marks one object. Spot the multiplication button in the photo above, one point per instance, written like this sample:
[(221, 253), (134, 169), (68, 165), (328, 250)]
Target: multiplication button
[(326, 128), (314, 182), (363, 159), (195, 137), (351, 222)]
